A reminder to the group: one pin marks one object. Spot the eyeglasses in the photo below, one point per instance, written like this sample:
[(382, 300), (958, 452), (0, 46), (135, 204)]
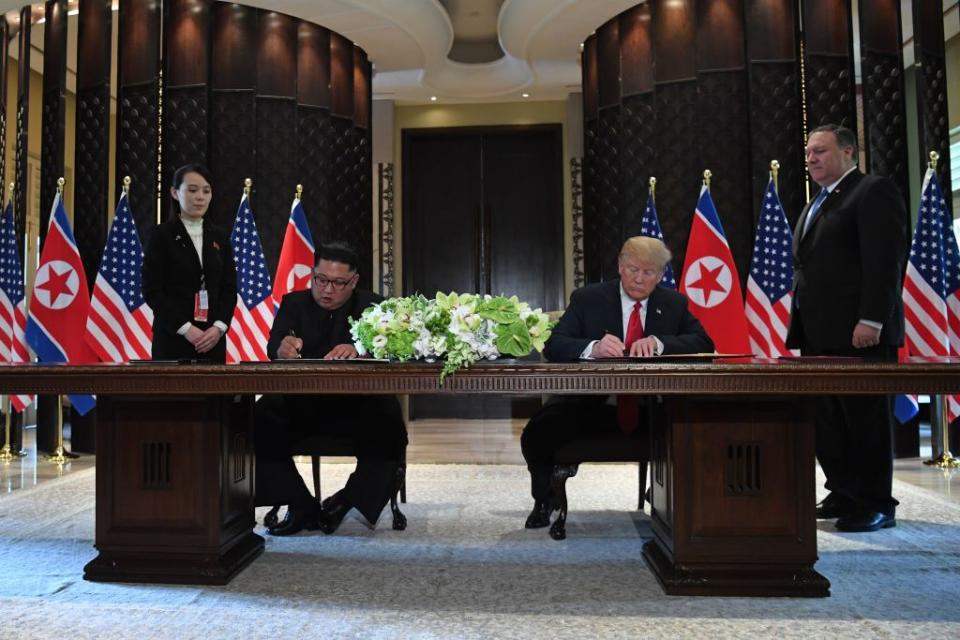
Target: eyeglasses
[(338, 285)]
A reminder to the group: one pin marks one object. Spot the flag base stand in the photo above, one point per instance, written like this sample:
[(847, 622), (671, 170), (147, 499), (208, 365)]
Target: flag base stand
[(7, 454), (60, 456), (57, 457), (944, 461)]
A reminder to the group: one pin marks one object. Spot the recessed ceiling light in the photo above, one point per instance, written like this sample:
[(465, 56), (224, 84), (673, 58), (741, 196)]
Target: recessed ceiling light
[(524, 95), (433, 98)]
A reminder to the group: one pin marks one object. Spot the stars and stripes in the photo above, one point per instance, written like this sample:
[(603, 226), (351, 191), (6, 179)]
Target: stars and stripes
[(650, 227), (13, 314), (296, 256), (253, 315), (932, 285), (769, 283), (119, 326)]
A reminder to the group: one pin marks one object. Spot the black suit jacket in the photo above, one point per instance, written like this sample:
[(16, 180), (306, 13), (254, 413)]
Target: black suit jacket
[(849, 265), (319, 329), (595, 310), (171, 278)]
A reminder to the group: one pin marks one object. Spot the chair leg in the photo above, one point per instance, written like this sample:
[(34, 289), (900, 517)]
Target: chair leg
[(399, 520), (558, 479), (403, 479), (270, 520), (315, 460), (642, 492)]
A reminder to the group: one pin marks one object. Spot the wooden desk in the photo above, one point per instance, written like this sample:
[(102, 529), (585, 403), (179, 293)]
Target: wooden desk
[(733, 471)]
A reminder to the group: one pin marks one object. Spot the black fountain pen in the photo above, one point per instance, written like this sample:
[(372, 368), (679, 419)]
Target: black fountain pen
[(293, 334)]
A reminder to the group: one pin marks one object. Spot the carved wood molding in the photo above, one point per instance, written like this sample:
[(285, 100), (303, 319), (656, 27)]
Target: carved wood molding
[(750, 377)]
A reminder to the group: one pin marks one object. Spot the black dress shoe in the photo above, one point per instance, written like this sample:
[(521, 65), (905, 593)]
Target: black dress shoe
[(866, 521), (331, 515), (835, 505), (296, 520), (540, 516)]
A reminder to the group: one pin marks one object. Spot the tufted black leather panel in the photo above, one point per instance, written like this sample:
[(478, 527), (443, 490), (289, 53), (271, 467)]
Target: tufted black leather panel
[(935, 123), (637, 159), (137, 151), (185, 132), (592, 268), (313, 166), (232, 158), (607, 219), (885, 118), (276, 176), (830, 96), (90, 200), (350, 218)]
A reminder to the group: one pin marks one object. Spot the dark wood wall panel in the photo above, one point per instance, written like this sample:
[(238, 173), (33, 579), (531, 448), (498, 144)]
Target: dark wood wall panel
[(341, 76), (4, 69), (313, 167), (677, 144), (276, 175), (186, 112), (313, 65), (362, 91), (932, 84), (591, 82), (23, 125), (608, 63), (92, 154), (636, 51), (884, 103), (608, 217), (138, 58), (593, 267), (53, 118), (723, 123), (775, 107), (828, 60)]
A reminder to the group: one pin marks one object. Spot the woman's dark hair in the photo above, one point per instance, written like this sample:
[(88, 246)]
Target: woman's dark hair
[(337, 252), (193, 167)]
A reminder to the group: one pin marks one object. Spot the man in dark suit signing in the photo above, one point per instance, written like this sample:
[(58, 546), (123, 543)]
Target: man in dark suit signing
[(631, 316), (314, 324), (849, 251)]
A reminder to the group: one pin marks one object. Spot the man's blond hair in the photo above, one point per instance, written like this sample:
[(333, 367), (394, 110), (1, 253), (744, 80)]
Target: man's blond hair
[(646, 250)]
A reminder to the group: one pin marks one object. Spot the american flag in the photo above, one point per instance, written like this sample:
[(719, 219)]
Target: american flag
[(771, 276), (253, 315), (119, 326), (930, 290), (650, 227), (13, 314)]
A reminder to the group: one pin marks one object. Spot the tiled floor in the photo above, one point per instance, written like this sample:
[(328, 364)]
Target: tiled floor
[(457, 441)]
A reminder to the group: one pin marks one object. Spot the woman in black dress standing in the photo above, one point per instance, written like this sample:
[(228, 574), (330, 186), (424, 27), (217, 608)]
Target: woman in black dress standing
[(189, 277)]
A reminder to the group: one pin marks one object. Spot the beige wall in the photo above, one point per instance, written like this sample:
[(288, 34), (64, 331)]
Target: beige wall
[(466, 115)]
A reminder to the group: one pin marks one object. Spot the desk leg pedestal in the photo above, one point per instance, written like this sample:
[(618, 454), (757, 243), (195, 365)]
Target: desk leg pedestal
[(174, 500), (733, 499)]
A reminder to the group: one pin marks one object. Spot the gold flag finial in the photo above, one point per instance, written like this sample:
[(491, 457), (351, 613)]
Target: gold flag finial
[(126, 184), (934, 159), (774, 172), (10, 189), (247, 186), (653, 187), (60, 183), (707, 174), (299, 191)]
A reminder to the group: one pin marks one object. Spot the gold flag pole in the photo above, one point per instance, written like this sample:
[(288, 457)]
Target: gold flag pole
[(653, 188), (7, 453), (707, 174), (945, 460), (59, 456), (247, 186), (126, 185), (774, 173), (299, 194)]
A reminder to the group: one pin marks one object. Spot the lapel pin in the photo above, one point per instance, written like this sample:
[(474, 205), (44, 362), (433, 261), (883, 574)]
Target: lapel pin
[(216, 246)]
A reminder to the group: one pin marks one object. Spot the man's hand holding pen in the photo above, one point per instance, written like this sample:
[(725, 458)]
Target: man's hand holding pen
[(609, 346), (290, 346)]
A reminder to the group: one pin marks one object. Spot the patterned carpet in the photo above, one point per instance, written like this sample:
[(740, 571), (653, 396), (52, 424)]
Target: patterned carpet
[(465, 568)]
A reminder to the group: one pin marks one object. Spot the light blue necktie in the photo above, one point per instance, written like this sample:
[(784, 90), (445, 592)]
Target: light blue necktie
[(815, 209)]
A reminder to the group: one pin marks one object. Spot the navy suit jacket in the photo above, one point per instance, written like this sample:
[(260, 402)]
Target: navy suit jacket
[(595, 310), (849, 265)]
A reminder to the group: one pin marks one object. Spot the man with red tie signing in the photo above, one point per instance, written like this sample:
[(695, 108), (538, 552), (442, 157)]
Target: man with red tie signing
[(628, 317)]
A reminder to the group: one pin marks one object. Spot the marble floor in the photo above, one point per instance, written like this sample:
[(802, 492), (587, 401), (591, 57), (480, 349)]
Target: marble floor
[(456, 442)]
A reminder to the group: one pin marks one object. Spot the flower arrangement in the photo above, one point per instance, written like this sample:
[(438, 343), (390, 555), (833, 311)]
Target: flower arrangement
[(459, 328)]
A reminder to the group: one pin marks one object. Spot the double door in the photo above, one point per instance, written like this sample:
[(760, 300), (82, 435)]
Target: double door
[(483, 213)]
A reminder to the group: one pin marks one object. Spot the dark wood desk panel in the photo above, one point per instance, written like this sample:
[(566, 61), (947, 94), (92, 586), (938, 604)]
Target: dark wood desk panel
[(733, 476)]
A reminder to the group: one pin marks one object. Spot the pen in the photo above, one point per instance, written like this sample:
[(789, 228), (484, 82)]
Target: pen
[(293, 334)]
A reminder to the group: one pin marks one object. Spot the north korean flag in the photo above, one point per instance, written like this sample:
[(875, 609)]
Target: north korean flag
[(60, 302), (296, 256), (711, 283)]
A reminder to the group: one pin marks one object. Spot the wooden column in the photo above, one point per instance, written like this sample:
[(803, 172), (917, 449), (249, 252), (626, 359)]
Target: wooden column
[(233, 108), (276, 131), (186, 81), (679, 169), (828, 63), (931, 74), (313, 124), (637, 115), (138, 59), (776, 131)]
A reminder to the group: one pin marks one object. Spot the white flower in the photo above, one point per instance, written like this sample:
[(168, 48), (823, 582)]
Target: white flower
[(379, 341)]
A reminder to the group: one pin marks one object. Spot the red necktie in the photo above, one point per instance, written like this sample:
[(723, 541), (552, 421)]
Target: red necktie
[(627, 416)]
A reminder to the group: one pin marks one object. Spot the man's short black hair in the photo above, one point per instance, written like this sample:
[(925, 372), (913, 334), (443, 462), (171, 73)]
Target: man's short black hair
[(845, 137), (337, 252)]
